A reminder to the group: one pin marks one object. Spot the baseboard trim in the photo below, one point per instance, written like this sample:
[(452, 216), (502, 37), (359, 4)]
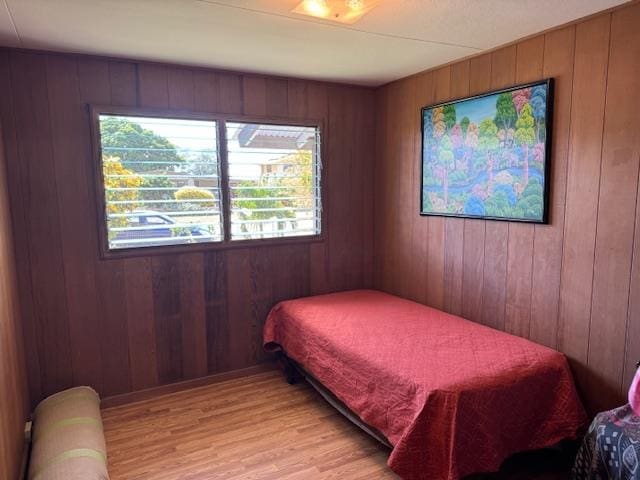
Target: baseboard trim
[(142, 395)]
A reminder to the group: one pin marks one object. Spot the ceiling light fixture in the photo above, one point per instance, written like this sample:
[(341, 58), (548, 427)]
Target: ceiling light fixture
[(316, 8), (341, 11), (355, 4)]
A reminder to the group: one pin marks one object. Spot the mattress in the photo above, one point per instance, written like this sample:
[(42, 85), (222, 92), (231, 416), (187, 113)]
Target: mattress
[(452, 397)]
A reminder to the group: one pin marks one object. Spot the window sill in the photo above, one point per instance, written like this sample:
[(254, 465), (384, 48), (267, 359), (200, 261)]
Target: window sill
[(208, 247)]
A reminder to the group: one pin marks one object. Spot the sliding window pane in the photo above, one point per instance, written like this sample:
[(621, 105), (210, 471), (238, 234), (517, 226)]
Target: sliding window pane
[(274, 180), (161, 181)]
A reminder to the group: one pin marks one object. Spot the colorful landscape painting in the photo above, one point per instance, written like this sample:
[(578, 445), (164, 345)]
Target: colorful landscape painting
[(486, 156)]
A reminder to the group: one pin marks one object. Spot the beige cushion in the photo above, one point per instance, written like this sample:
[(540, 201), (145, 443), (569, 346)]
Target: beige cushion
[(68, 439)]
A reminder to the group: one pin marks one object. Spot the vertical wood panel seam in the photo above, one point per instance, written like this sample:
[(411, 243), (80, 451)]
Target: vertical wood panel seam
[(484, 243), (136, 72), (549, 207), (560, 329), (55, 186), (30, 293), (597, 213)]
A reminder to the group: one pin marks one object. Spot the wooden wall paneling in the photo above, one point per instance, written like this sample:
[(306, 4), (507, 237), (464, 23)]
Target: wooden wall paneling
[(616, 212), (384, 207), (67, 119), (191, 277), (357, 176), (337, 176), (454, 227), (217, 323), (254, 94), (424, 92), (14, 399), (503, 71), (277, 92), (143, 353), (547, 254), (153, 85), (366, 161), (436, 232), (264, 275), (380, 199), (17, 188), (474, 230), (317, 104), (181, 89), (529, 67), (241, 350), (206, 91), (297, 94), (390, 214), (167, 308), (40, 203), (123, 82), (230, 93), (403, 148), (583, 184)]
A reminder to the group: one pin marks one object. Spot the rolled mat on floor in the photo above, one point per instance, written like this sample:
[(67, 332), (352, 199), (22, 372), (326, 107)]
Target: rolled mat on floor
[(68, 438)]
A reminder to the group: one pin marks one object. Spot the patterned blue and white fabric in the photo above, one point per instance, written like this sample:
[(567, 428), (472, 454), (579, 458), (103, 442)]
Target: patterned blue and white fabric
[(611, 449)]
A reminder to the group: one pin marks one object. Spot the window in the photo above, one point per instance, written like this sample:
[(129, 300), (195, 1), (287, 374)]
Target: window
[(274, 180), (165, 181)]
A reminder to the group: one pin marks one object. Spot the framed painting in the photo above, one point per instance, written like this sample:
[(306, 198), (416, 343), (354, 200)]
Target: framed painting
[(488, 156)]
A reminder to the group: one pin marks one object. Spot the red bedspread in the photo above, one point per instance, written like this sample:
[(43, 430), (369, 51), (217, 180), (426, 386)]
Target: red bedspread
[(452, 396)]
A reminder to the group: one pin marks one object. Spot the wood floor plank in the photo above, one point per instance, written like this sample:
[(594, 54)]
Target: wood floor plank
[(256, 427)]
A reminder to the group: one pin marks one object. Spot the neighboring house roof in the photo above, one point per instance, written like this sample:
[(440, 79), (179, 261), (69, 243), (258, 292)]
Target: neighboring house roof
[(271, 136)]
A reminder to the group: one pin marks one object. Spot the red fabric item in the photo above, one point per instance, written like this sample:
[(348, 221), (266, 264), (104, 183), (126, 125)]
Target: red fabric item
[(453, 397)]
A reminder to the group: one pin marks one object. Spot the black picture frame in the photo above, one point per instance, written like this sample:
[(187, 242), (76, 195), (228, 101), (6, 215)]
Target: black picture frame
[(543, 218)]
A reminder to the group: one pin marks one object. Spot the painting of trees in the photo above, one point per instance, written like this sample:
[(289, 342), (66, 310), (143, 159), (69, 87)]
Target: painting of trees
[(525, 136), (520, 98), (438, 120), (464, 125), (506, 115), (539, 106), (445, 164), (449, 112), (485, 156), (488, 143)]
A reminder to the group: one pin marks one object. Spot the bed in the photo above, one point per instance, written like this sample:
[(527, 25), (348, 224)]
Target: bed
[(452, 397)]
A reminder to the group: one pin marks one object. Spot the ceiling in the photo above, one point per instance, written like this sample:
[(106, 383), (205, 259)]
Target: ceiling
[(396, 39)]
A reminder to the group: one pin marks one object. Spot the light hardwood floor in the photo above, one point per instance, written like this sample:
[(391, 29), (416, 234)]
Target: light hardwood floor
[(260, 428), (253, 428)]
